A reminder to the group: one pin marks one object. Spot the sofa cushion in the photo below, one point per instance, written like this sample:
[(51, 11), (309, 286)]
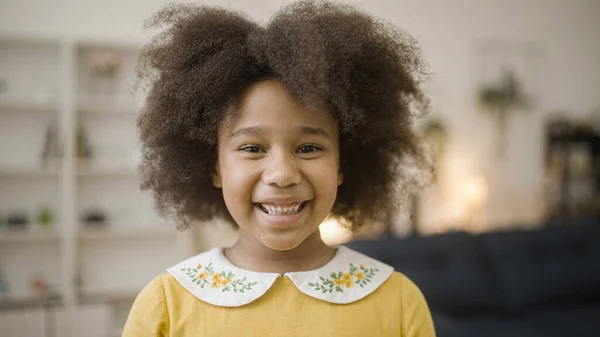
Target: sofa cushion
[(483, 326), (555, 264), (581, 321), (447, 269)]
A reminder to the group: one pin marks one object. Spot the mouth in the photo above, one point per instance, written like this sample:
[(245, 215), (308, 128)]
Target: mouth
[(282, 209)]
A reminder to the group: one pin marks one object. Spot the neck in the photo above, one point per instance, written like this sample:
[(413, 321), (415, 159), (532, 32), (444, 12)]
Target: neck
[(250, 254)]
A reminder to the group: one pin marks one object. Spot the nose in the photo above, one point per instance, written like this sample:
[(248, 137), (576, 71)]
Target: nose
[(281, 171)]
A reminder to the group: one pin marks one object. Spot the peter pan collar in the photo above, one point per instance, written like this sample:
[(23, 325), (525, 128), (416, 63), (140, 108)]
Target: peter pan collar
[(348, 277)]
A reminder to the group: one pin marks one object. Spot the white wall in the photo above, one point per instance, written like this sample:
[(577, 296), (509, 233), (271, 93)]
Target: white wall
[(565, 31)]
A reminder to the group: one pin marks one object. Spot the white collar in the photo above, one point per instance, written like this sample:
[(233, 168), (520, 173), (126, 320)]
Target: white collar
[(348, 277)]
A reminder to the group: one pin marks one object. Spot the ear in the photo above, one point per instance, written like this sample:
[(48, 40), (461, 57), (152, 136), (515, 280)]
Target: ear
[(216, 176), (340, 178)]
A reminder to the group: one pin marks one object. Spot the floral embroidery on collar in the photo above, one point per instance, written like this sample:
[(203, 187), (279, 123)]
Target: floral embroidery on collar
[(360, 276), (347, 278), (226, 280)]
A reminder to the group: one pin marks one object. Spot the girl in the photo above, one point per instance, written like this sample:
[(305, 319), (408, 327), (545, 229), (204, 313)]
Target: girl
[(275, 128)]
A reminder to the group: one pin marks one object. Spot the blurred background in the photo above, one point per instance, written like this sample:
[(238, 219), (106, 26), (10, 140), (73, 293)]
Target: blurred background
[(504, 240)]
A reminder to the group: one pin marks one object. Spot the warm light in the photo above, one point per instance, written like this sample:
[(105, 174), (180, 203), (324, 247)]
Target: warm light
[(333, 233), (474, 191), (472, 196)]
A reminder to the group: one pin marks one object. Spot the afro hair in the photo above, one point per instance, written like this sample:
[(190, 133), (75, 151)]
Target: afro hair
[(363, 71)]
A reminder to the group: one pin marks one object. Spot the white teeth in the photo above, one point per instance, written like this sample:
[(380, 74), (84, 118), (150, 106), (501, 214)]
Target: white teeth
[(279, 210)]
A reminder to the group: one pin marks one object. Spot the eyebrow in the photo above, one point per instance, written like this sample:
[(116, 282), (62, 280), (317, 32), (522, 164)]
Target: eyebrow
[(259, 131), (249, 131), (306, 130)]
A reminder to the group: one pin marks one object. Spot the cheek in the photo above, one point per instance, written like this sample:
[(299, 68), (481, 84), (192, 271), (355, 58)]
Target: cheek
[(238, 181), (325, 182)]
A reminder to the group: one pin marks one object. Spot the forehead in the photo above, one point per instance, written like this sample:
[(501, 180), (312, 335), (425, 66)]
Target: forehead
[(269, 103)]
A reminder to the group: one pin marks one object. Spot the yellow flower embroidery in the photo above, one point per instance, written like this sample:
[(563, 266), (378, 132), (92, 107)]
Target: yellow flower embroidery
[(339, 281), (216, 281), (347, 280), (226, 281)]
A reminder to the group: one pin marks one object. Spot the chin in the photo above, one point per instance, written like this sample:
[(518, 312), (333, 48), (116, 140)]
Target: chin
[(281, 245)]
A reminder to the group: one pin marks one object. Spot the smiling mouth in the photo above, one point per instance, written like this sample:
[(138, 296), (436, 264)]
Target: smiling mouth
[(288, 209)]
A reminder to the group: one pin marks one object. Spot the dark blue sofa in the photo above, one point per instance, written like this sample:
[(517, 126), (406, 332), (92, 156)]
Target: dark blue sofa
[(507, 284)]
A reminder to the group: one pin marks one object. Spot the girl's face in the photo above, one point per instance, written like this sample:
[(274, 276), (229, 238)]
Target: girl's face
[(278, 167)]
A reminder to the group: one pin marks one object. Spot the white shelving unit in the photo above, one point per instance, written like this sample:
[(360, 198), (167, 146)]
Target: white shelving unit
[(28, 238), (105, 241), (23, 105)]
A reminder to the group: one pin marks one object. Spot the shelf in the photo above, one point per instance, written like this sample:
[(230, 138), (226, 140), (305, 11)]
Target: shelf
[(88, 169), (106, 104), (90, 172), (20, 39), (8, 303), (25, 236), (89, 295), (29, 172), (27, 105), (129, 234)]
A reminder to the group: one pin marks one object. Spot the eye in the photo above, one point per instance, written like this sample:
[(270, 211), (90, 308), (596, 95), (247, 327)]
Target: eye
[(308, 149), (251, 149)]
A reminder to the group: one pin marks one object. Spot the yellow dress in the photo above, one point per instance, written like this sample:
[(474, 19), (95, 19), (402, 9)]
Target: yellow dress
[(353, 295)]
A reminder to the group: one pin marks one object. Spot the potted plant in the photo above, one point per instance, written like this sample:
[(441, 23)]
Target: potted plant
[(105, 67)]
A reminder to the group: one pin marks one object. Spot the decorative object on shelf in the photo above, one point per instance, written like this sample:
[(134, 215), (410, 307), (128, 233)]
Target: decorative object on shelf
[(39, 285), (3, 286), (3, 86), (572, 181), (594, 120), (51, 144), (505, 84), (17, 221), (45, 217), (501, 99), (82, 146), (94, 218), (105, 66)]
